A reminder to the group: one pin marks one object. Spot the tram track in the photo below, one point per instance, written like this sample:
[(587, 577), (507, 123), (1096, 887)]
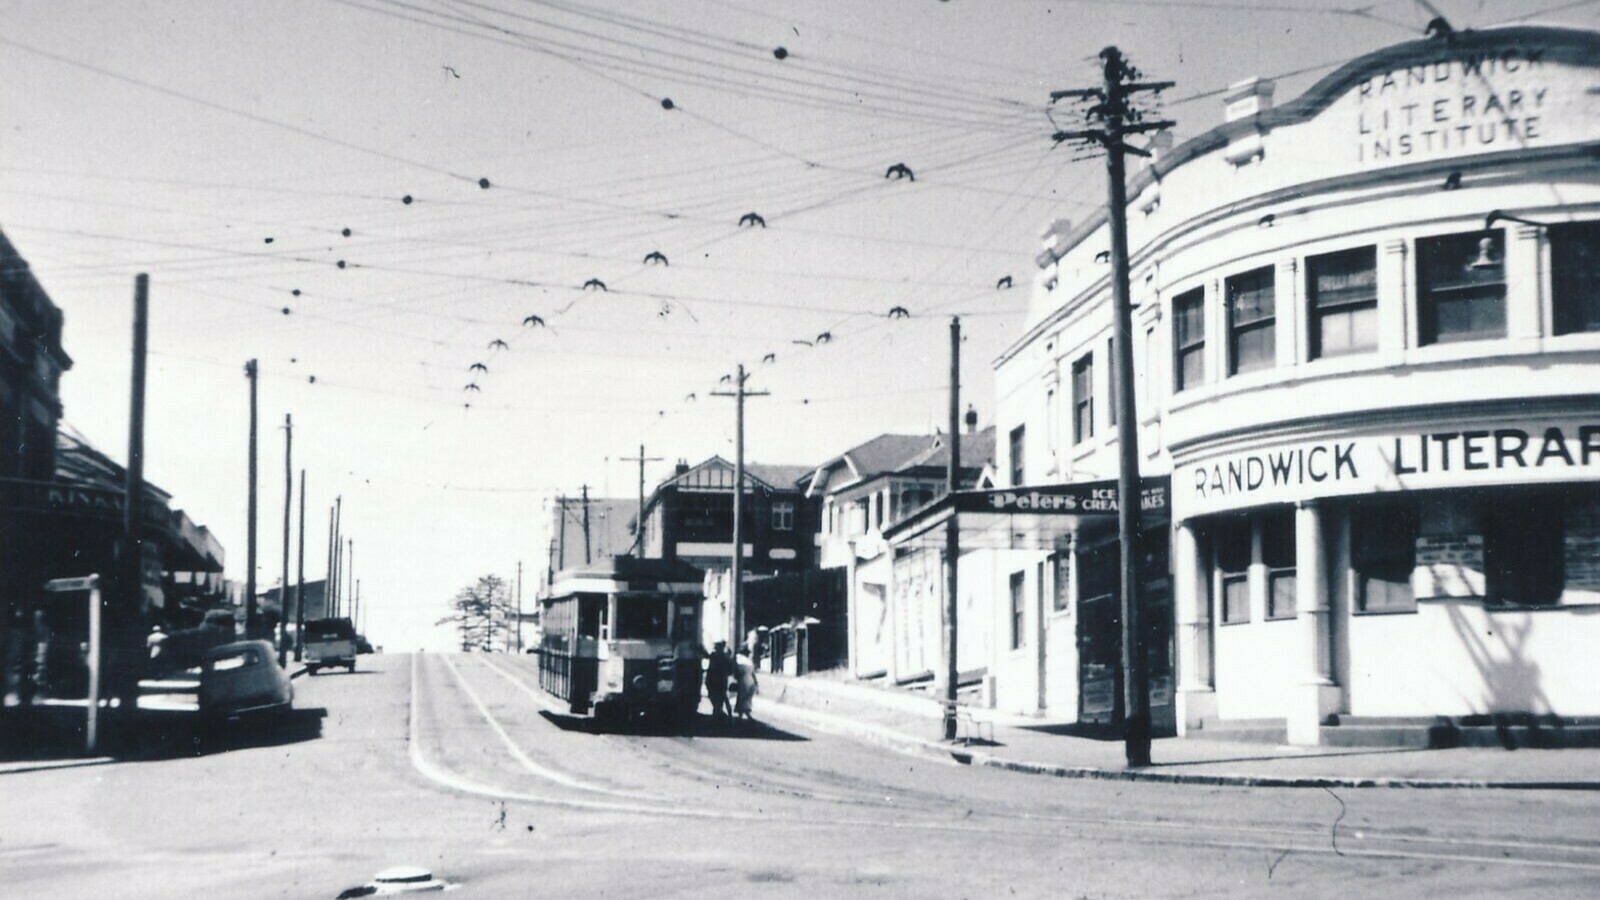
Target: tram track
[(878, 807)]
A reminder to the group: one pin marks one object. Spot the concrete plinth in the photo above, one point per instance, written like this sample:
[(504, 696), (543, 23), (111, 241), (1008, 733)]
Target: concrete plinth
[(1313, 703), (1194, 707)]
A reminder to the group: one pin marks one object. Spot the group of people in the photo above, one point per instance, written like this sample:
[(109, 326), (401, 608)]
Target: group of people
[(729, 673)]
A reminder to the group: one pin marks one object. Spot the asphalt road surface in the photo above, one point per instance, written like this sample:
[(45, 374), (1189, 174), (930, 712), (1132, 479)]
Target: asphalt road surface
[(458, 764)]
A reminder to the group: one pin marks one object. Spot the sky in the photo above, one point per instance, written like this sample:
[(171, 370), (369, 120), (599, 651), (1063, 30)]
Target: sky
[(395, 206)]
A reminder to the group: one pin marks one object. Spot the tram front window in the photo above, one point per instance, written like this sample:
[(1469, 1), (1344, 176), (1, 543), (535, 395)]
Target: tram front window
[(640, 619)]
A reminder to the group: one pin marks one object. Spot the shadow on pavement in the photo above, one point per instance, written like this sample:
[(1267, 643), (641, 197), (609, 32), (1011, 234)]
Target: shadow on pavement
[(1089, 730), (699, 727), (179, 734), (1266, 755)]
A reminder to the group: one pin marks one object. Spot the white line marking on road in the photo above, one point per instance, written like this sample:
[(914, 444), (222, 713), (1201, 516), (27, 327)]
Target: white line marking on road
[(527, 762)]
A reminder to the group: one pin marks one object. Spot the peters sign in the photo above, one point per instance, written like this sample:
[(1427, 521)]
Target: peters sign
[(1501, 454), (1097, 498)]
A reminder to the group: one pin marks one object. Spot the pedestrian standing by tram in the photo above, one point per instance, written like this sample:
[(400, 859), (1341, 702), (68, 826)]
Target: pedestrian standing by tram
[(745, 668), (719, 669)]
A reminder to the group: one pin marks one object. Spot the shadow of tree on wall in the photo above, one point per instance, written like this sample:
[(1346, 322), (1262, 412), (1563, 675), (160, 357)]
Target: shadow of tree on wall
[(1514, 702)]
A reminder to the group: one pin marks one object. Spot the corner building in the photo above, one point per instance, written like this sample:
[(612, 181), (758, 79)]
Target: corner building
[(1367, 338)]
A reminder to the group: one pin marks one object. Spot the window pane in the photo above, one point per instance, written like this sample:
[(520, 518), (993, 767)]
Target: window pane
[(1016, 456), (1343, 303), (1251, 311), (1281, 587), (1383, 553), (1461, 287), (1524, 546), (1351, 329), (1254, 349), (1083, 399), (1235, 599), (1191, 368), (1350, 276), (1575, 271)]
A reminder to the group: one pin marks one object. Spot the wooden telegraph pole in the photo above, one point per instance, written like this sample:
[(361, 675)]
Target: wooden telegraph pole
[(638, 524), (952, 539), (250, 625), (288, 506), (1118, 120), (300, 580), (736, 572)]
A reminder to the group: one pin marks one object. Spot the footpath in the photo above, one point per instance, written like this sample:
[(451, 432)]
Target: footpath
[(912, 722)]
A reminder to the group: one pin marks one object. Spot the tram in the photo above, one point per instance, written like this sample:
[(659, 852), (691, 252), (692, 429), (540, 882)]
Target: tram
[(621, 639)]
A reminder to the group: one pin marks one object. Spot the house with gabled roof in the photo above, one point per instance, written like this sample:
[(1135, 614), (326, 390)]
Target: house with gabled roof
[(689, 517)]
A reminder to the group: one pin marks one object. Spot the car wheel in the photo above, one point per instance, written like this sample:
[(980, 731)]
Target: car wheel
[(352, 668), (311, 670)]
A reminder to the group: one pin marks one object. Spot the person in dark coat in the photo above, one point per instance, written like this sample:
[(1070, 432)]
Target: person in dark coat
[(719, 669)]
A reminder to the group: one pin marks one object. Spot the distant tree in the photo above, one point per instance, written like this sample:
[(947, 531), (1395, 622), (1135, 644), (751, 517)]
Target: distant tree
[(481, 612)]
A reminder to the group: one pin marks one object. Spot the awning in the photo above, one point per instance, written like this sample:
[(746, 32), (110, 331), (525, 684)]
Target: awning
[(1042, 517)]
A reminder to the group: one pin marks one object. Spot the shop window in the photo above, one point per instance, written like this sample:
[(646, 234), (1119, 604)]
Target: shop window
[(1461, 287), (1189, 339), (1575, 276), (1018, 602), (1083, 399), (1252, 321), (1342, 293), (1278, 556), (1017, 435), (783, 516), (1099, 572), (1383, 553), (1524, 550), (1231, 538)]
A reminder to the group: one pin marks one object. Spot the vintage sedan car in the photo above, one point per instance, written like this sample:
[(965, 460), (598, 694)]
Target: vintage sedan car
[(242, 679)]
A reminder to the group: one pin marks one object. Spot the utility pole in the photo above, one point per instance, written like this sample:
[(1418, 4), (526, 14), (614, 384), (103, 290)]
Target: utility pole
[(338, 552), (1118, 120), (519, 606), (250, 370), (561, 503), (127, 596), (586, 558), (288, 505), (638, 524), (736, 574), (550, 565), (300, 582), (952, 538), (355, 607), (349, 569), (327, 580)]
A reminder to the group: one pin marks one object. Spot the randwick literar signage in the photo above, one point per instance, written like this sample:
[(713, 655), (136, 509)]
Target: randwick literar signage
[(1519, 453)]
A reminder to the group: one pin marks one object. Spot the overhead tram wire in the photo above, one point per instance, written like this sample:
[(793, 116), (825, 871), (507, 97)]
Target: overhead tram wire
[(576, 55), (940, 96), (706, 40)]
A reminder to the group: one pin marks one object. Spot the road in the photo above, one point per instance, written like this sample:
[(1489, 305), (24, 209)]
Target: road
[(458, 764)]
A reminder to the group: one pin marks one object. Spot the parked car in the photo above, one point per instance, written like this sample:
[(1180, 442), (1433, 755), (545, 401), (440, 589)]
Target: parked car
[(243, 678), (330, 642)]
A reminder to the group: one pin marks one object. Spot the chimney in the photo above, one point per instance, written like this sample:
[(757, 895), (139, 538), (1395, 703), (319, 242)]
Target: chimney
[(972, 420), (681, 468)]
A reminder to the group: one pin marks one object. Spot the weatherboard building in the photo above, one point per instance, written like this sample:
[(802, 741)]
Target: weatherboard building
[(1367, 346)]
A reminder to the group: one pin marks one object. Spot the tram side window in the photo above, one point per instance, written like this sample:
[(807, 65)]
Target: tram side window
[(591, 615), (1231, 538), (640, 618), (1575, 273)]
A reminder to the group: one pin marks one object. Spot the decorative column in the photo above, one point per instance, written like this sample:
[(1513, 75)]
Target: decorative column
[(1396, 324), (1525, 284), (1197, 695), (1316, 696)]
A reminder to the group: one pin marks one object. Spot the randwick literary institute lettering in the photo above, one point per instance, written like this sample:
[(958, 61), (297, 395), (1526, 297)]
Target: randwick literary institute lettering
[(1478, 100), (1437, 458)]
